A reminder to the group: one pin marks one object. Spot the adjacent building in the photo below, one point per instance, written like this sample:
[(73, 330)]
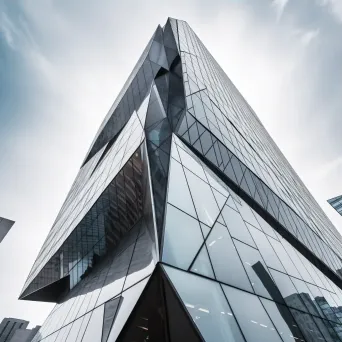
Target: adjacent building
[(336, 203), (9, 326), (24, 335), (185, 221), (5, 226)]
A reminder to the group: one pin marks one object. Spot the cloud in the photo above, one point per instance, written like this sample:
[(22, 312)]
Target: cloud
[(279, 6), (8, 30), (335, 6), (309, 36)]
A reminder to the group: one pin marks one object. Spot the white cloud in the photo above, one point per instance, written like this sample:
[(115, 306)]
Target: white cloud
[(308, 36), (8, 30), (335, 6), (279, 6)]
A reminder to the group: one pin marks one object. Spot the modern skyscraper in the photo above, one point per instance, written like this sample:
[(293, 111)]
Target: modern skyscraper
[(336, 203), (5, 226), (8, 327), (186, 222)]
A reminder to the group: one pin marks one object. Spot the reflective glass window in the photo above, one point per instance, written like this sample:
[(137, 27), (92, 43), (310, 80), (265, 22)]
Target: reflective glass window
[(189, 162), (287, 290), (225, 260), (266, 249), (182, 238), (236, 225), (202, 264), (307, 326), (284, 258), (205, 203), (128, 301), (283, 321), (255, 267), (178, 191), (74, 330), (247, 214), (207, 306), (251, 316), (93, 332)]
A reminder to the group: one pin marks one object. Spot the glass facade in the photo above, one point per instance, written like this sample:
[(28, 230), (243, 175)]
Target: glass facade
[(186, 222), (5, 226), (336, 203)]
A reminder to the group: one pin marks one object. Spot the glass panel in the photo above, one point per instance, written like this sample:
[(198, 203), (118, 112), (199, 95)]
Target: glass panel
[(236, 226), (285, 259), (84, 324), (265, 226), (204, 199), (306, 296), (288, 291), (117, 273), (189, 162), (220, 199), (297, 261), (178, 193), (247, 214), (283, 321), (202, 264), (206, 305), (93, 332), (109, 315), (74, 330), (255, 267), (266, 249), (226, 262), (128, 301), (326, 330), (142, 263), (182, 238), (251, 316), (307, 326)]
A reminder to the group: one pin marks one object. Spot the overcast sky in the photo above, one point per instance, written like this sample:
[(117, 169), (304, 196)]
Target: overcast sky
[(62, 63)]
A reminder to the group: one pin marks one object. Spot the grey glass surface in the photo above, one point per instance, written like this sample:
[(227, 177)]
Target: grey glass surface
[(251, 316), (142, 263), (191, 164), (285, 259), (76, 325), (178, 191), (265, 226), (248, 214), (207, 210), (266, 249), (207, 306), (182, 238), (202, 264), (225, 260), (128, 301), (93, 332), (236, 225), (290, 294), (252, 262), (307, 326), (283, 321), (85, 319)]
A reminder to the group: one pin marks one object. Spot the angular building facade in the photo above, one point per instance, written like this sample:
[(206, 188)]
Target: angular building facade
[(5, 226), (186, 222), (336, 203)]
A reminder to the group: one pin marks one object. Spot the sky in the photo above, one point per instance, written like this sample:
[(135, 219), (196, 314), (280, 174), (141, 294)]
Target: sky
[(62, 63)]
